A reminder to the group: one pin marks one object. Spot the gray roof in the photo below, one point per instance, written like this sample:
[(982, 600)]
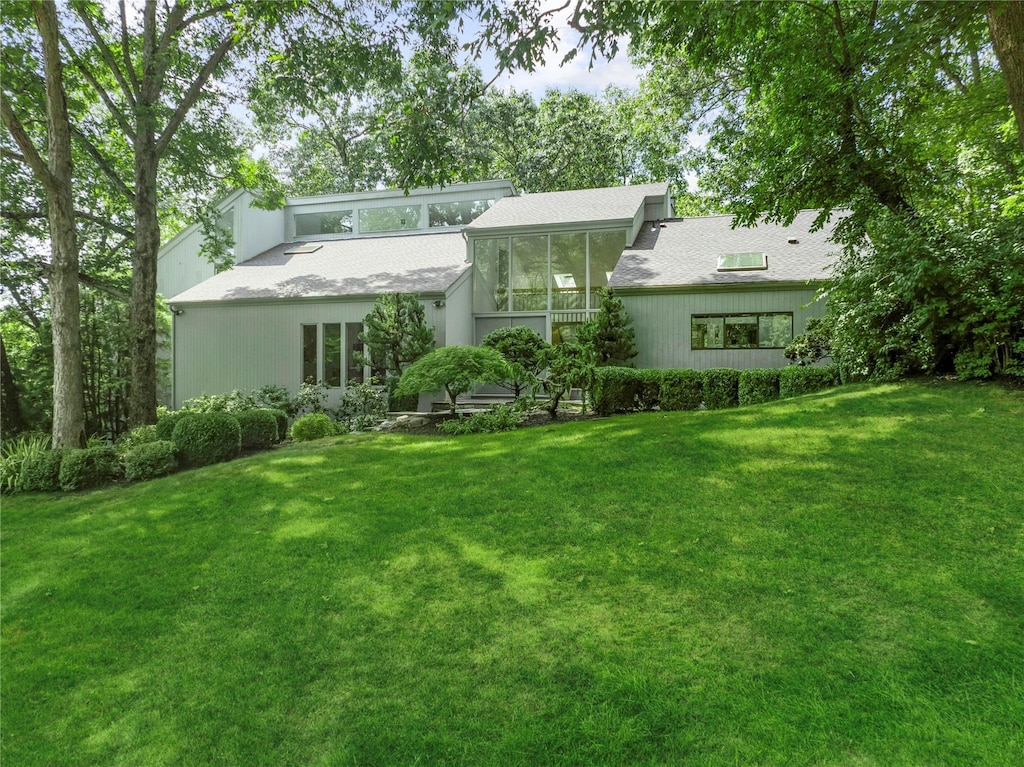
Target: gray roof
[(420, 263), (580, 206), (684, 252)]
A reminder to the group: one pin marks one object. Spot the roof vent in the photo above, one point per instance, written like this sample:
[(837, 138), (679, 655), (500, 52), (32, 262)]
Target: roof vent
[(793, 241)]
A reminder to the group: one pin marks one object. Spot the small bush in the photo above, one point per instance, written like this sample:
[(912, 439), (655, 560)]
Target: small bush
[(759, 385), (649, 394), (681, 390), (149, 460), (14, 454), (794, 381), (282, 422), (91, 467), (500, 418), (363, 406), (167, 421), (312, 426), (140, 435), (41, 473), (259, 429), (619, 390), (201, 439), (721, 388)]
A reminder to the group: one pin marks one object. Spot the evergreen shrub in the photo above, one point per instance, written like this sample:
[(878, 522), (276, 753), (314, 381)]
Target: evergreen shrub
[(149, 460), (140, 435), (312, 426), (91, 467), (500, 418), (167, 421), (41, 473), (259, 428), (201, 439), (797, 380), (649, 389), (282, 422), (616, 390), (681, 390), (759, 385), (721, 388)]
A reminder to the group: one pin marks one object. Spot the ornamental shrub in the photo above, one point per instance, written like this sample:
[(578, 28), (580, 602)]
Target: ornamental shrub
[(454, 370), (500, 418), (618, 389), (649, 389), (681, 390), (149, 460), (312, 426), (91, 467), (524, 351), (167, 421), (259, 429), (41, 473), (14, 454), (201, 439), (721, 388), (759, 385), (794, 381), (282, 422), (140, 435)]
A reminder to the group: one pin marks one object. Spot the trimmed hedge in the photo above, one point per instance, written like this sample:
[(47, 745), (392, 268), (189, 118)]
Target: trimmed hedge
[(721, 388), (681, 390), (758, 385), (41, 474), (312, 426), (797, 379), (649, 395), (282, 422), (166, 423), (149, 460), (619, 390), (91, 467), (201, 439), (259, 429)]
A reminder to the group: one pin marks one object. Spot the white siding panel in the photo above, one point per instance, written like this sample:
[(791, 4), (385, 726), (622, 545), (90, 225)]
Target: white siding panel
[(662, 324), (180, 266), (256, 230), (458, 312)]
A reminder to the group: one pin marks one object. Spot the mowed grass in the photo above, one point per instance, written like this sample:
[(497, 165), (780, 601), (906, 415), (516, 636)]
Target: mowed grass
[(832, 580)]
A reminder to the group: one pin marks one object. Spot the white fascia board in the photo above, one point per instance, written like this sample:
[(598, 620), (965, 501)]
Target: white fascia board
[(354, 297), (398, 194), (559, 228), (225, 202), (717, 287)]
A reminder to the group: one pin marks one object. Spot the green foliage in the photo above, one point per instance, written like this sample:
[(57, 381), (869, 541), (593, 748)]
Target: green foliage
[(140, 435), (400, 402), (569, 366), (395, 334), (91, 467), (499, 418), (454, 370), (681, 390), (201, 439), (273, 397), (524, 351), (363, 406), (758, 385), (312, 398), (610, 334), (313, 426), (813, 345), (149, 460), (41, 474), (166, 422), (282, 422), (796, 380), (619, 390), (720, 387), (259, 428), (14, 454)]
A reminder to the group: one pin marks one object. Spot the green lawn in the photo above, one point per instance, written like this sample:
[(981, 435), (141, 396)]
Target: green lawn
[(832, 580)]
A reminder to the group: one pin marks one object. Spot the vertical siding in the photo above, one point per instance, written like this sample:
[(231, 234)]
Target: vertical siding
[(458, 313), (662, 324), (256, 230), (180, 266)]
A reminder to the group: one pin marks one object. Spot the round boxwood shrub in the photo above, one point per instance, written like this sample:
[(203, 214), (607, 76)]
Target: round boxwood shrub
[(282, 422), (259, 429), (312, 426), (721, 388), (167, 421), (201, 439), (41, 473), (681, 390), (91, 467), (148, 460), (759, 385)]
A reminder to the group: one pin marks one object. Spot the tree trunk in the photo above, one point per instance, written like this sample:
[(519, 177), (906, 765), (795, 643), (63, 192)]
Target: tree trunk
[(11, 420), (1006, 26), (142, 307), (68, 414)]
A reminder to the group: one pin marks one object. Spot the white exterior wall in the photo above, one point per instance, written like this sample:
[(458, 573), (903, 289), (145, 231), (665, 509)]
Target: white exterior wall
[(662, 324), (246, 345), (458, 312)]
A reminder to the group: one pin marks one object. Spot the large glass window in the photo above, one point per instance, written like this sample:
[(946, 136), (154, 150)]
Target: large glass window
[(330, 222), (394, 219), (456, 213), (741, 331), (490, 275), (569, 271), (530, 273), (353, 367), (605, 251), (309, 361), (332, 354)]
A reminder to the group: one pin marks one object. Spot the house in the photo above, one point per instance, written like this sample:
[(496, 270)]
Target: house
[(700, 292)]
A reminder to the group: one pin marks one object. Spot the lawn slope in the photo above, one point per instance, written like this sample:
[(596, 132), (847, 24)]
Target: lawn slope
[(835, 579)]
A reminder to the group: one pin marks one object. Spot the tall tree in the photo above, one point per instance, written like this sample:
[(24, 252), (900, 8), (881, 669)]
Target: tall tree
[(54, 173), (1006, 25)]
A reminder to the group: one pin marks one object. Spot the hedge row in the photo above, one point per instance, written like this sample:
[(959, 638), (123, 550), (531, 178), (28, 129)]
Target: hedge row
[(621, 390)]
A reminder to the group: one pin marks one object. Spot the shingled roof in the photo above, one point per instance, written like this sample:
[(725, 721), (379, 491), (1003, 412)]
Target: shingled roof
[(684, 252), (420, 263)]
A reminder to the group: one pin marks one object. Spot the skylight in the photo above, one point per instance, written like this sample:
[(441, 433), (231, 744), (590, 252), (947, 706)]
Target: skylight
[(739, 262), (302, 250)]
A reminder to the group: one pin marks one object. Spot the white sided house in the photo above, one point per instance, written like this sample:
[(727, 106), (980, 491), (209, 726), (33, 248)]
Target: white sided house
[(701, 293)]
